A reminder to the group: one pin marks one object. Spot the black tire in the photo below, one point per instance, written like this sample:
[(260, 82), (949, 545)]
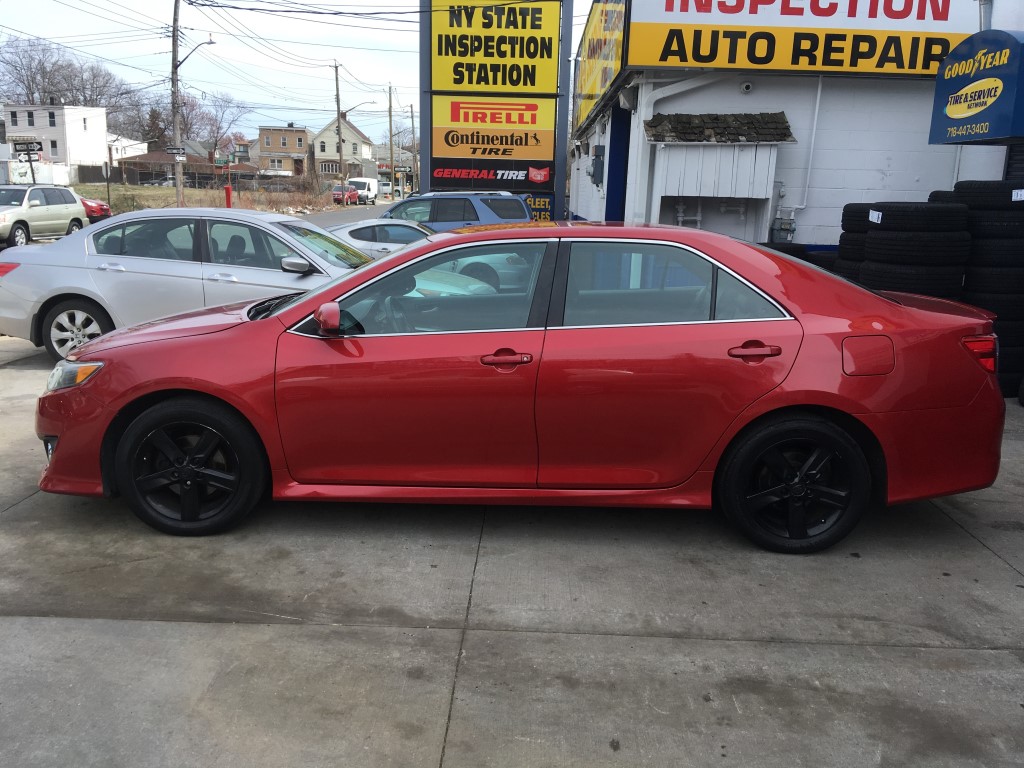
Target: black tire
[(823, 259), (1011, 359), (992, 195), (1009, 383), (996, 224), (943, 196), (1010, 332), (71, 324), (18, 235), (790, 249), (1006, 306), (74, 226), (936, 248), (1020, 391), (940, 281), (851, 246), (996, 252), (917, 217), (483, 273), (846, 268), (190, 467), (995, 280), (855, 217), (795, 485)]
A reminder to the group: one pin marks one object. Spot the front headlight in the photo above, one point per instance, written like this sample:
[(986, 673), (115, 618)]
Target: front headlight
[(68, 374)]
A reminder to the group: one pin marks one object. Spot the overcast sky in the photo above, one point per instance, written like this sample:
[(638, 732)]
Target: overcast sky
[(280, 65)]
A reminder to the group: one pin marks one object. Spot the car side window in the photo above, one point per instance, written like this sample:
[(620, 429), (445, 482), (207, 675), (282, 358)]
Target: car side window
[(109, 242), (154, 239), (635, 284), (415, 210), (37, 196), (735, 300), (429, 296), (454, 209), (507, 208), (67, 197), (394, 233), (53, 196), (368, 234), (244, 246)]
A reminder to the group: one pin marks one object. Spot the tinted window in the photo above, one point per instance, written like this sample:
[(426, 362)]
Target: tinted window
[(430, 297), (10, 196), (395, 233), (365, 233), (151, 239), (510, 209), (244, 246), (38, 196), (53, 197), (735, 300), (454, 209), (636, 283)]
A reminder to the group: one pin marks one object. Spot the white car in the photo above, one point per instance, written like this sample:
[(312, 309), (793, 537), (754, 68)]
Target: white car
[(379, 237)]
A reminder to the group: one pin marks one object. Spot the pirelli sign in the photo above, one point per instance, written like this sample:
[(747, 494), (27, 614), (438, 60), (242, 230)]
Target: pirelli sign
[(494, 75), (877, 37)]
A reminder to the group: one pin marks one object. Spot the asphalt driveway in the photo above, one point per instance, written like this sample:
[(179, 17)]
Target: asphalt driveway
[(413, 635)]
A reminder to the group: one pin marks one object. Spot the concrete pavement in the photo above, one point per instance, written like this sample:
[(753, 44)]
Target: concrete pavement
[(407, 635)]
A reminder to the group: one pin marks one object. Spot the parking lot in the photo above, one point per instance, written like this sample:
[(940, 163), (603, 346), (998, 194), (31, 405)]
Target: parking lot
[(414, 635)]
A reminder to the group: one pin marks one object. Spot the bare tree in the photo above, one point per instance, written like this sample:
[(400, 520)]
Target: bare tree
[(32, 71), (223, 114)]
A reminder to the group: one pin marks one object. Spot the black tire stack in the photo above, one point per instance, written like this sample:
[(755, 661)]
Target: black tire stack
[(918, 248), (995, 272), (850, 255)]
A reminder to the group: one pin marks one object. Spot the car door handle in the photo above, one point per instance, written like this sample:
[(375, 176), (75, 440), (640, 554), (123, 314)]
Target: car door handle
[(222, 277), (755, 349), (509, 358), (104, 267)]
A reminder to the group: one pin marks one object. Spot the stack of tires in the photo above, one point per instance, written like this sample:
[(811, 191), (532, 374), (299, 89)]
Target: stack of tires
[(850, 255), (917, 248), (995, 271)]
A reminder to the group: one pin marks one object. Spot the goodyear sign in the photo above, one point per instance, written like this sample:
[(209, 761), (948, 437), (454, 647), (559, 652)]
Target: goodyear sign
[(878, 37), (600, 55), (476, 126), (495, 46), (976, 91)]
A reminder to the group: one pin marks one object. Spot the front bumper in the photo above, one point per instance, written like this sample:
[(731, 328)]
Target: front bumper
[(73, 424)]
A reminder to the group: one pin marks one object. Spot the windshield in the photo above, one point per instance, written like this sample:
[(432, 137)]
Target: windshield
[(358, 184), (10, 196), (325, 245)]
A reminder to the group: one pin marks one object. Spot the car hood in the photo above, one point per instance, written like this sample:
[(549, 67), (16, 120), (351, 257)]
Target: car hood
[(195, 323)]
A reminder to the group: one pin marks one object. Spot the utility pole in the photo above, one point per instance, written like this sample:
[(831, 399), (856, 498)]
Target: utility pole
[(175, 117), (391, 144), (337, 104), (415, 154)]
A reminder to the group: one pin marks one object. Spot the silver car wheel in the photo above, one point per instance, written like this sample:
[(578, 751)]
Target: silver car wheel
[(71, 329), (19, 235)]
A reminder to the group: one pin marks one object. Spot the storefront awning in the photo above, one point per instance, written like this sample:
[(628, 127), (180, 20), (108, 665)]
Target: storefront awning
[(736, 128)]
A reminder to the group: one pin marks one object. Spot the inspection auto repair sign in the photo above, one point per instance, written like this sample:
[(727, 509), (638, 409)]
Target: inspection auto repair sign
[(894, 37)]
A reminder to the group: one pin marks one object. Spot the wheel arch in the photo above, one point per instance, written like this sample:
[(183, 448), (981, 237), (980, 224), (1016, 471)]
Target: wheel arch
[(36, 331), (131, 411), (860, 433)]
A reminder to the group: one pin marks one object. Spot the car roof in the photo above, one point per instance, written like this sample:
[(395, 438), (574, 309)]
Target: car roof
[(468, 193), (239, 214)]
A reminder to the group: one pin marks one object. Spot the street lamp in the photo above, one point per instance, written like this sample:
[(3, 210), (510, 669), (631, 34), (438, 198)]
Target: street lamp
[(175, 111)]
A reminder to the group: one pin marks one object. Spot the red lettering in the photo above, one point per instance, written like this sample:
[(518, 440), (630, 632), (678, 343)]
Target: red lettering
[(755, 4), (789, 10), (821, 8)]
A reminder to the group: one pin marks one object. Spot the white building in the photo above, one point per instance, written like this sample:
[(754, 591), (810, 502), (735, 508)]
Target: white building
[(660, 86), (122, 147), (70, 135), (351, 157)]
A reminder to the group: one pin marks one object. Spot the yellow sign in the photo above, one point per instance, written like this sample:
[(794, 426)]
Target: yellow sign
[(817, 50), (973, 98), (481, 126), (600, 56), (481, 46)]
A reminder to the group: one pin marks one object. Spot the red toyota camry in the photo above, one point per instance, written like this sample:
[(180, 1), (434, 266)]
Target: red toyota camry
[(632, 366)]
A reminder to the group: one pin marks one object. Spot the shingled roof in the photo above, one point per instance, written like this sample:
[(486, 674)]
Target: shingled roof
[(740, 128)]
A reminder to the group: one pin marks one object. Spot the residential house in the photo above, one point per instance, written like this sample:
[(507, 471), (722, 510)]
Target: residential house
[(70, 136), (283, 150), (121, 147), (349, 158)]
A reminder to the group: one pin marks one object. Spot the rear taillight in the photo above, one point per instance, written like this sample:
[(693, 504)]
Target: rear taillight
[(985, 350), (7, 268)]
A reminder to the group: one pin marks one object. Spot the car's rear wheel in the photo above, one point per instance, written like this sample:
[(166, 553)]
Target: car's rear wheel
[(795, 485), (18, 235), (71, 324), (74, 226), (190, 467)]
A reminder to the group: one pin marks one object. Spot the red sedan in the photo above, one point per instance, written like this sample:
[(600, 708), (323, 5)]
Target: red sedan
[(95, 210), (345, 194), (636, 366)]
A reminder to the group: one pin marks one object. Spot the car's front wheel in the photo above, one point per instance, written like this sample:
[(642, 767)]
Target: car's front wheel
[(18, 235), (74, 226), (71, 324), (795, 485), (190, 467)]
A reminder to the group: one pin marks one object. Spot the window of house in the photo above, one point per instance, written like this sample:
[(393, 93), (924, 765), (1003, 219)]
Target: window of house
[(276, 163), (85, 124), (284, 141), (53, 148), (14, 119), (31, 118), (266, 141), (323, 147), (298, 142), (337, 148), (52, 116), (356, 148)]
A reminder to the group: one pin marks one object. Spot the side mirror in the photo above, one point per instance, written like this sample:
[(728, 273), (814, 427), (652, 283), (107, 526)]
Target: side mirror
[(335, 321), (34, 203), (296, 264)]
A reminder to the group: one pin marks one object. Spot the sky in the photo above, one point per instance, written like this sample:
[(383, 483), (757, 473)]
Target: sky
[(279, 65)]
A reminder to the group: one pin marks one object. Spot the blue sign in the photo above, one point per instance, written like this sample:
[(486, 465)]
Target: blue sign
[(977, 91)]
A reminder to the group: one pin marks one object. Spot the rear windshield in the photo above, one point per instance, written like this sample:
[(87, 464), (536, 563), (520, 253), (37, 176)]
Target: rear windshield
[(358, 184), (12, 196), (508, 208)]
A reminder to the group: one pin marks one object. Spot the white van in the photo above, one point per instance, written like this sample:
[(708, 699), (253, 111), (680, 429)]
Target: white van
[(385, 188), (367, 189)]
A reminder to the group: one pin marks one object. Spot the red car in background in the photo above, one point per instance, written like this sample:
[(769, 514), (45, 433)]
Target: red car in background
[(635, 366), (345, 194), (95, 210)]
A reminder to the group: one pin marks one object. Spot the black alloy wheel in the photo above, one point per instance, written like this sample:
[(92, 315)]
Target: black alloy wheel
[(190, 467), (796, 486)]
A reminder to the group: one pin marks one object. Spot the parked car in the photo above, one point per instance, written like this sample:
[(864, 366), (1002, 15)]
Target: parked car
[(95, 210), (33, 211), (384, 187), (449, 210), (344, 194), (639, 366), (379, 237), (367, 189)]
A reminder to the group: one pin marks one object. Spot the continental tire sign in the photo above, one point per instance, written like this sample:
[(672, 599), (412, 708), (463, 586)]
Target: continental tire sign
[(895, 37), (494, 70)]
